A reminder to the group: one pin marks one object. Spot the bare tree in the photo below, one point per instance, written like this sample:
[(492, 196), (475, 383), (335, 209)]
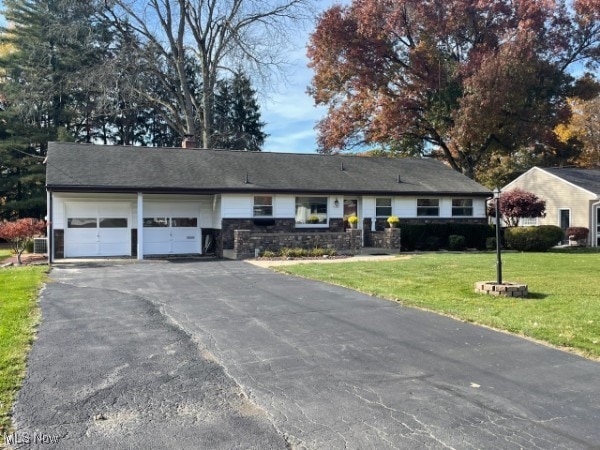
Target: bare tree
[(220, 35)]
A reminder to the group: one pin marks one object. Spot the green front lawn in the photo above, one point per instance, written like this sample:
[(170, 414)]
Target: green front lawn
[(563, 307), (5, 253), (19, 314)]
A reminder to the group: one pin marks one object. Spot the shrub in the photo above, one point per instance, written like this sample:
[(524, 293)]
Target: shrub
[(318, 251), (533, 239), (456, 242), (578, 233), (414, 236), (490, 243), (269, 254), (432, 243), (29, 246)]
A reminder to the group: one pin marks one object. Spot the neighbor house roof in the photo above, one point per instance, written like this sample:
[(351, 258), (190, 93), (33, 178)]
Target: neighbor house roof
[(86, 167), (588, 179)]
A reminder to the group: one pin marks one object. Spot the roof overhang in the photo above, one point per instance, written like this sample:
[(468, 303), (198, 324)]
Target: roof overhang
[(250, 190)]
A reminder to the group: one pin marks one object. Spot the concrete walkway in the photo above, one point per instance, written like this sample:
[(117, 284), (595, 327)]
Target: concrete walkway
[(223, 354)]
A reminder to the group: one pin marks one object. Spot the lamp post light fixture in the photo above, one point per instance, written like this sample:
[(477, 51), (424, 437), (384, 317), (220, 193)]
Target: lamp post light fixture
[(498, 245)]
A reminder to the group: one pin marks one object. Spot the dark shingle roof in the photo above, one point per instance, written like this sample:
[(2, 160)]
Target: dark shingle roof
[(114, 168), (588, 179)]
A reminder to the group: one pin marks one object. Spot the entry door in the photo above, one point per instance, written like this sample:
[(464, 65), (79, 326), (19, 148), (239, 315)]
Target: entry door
[(564, 218), (171, 228), (350, 209)]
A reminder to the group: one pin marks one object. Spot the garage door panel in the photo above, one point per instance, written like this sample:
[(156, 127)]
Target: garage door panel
[(97, 229), (171, 228)]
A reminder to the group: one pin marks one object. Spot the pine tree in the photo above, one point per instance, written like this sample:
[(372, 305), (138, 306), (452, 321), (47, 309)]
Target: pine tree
[(237, 115)]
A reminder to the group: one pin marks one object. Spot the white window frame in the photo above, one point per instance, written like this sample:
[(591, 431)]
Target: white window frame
[(271, 205), (312, 225), (428, 198), (462, 207), (529, 221), (391, 207)]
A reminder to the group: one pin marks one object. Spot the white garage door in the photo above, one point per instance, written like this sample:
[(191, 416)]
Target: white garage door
[(97, 229), (171, 228)]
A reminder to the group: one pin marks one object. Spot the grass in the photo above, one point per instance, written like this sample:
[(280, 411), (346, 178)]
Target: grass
[(19, 314), (5, 253), (563, 307)]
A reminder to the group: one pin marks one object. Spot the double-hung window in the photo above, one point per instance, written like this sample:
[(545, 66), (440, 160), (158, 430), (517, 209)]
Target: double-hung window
[(263, 206), (428, 207), (462, 207), (383, 207)]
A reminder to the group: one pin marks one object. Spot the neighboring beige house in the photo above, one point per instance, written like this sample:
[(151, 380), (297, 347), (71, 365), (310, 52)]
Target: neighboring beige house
[(572, 197)]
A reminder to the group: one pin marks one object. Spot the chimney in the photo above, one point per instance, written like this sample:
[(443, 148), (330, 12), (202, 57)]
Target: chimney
[(188, 141)]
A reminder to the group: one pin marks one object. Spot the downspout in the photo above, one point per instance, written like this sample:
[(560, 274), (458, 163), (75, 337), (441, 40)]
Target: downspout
[(49, 230)]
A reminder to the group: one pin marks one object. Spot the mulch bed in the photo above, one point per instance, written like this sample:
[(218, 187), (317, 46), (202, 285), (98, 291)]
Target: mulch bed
[(27, 259)]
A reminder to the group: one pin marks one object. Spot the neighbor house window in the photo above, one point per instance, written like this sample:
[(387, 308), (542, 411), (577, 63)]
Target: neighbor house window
[(263, 206), (383, 207), (82, 222), (311, 210), (113, 222), (428, 207), (529, 221), (462, 207)]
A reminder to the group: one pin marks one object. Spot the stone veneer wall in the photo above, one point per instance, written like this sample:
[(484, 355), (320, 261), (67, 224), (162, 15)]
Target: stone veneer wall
[(265, 225), (247, 241), (388, 239)]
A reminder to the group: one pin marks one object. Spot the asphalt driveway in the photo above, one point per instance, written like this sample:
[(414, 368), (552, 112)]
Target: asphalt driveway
[(218, 354)]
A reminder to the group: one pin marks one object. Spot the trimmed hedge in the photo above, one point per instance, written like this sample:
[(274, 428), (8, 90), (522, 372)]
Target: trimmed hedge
[(433, 236), (533, 239)]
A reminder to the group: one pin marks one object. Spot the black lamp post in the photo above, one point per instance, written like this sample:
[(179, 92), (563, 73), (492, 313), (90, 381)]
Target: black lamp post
[(498, 246)]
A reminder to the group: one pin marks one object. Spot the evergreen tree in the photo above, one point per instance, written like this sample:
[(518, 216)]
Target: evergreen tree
[(237, 115)]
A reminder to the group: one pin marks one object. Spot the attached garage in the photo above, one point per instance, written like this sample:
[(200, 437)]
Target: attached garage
[(97, 229), (171, 228)]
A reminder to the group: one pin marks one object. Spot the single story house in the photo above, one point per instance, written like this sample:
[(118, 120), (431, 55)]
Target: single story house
[(138, 201), (572, 197)]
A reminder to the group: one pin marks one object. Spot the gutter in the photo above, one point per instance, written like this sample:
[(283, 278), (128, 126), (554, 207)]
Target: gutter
[(261, 190)]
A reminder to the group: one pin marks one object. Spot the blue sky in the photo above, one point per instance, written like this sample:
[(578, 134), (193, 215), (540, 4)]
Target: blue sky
[(289, 111)]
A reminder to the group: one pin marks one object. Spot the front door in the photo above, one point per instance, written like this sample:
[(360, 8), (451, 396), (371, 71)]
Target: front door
[(564, 219)]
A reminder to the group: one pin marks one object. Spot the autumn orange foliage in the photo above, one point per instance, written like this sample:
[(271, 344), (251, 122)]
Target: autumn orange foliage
[(464, 79)]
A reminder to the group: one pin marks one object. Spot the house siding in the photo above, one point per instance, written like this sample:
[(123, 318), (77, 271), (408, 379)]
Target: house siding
[(558, 195), (240, 206)]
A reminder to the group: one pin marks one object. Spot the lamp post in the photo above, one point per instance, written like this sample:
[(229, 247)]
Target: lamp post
[(498, 247)]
